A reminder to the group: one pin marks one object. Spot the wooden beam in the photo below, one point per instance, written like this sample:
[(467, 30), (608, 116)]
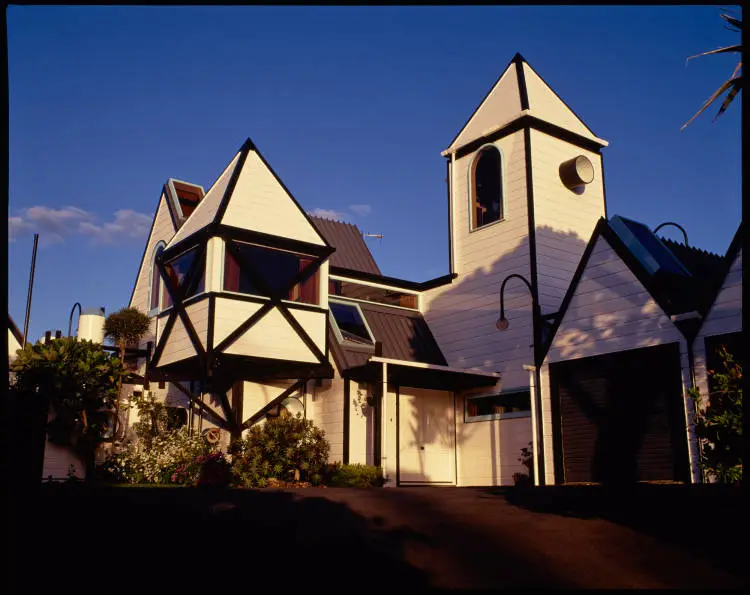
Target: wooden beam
[(201, 405), (258, 414)]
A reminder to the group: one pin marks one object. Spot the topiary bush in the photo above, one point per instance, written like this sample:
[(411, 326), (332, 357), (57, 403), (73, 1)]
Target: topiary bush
[(355, 476), (286, 448)]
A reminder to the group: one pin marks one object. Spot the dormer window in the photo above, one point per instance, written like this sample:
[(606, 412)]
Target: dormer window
[(350, 325), (486, 192)]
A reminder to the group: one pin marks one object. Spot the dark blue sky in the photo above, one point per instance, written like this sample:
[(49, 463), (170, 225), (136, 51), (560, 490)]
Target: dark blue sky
[(351, 106)]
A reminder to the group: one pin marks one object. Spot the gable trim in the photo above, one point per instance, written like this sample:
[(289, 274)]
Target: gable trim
[(729, 258), (15, 330), (145, 248)]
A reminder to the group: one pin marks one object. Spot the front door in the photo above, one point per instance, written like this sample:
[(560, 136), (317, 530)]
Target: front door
[(426, 433)]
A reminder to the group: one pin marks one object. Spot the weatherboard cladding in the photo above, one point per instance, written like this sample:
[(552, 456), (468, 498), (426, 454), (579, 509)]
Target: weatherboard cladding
[(403, 334), (351, 250)]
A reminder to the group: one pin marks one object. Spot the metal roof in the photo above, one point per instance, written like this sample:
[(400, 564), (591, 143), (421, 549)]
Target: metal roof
[(351, 250), (403, 334)]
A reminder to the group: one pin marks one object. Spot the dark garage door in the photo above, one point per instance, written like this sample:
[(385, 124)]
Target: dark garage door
[(620, 417)]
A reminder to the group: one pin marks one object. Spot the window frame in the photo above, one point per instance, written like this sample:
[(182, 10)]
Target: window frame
[(315, 277), (154, 254), (471, 185), (337, 331), (497, 416), (195, 247)]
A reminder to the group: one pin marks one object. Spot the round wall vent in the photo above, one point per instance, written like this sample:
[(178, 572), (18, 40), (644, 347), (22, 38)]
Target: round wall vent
[(577, 172)]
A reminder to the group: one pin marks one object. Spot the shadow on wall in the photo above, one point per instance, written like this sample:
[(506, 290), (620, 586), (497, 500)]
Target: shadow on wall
[(463, 317)]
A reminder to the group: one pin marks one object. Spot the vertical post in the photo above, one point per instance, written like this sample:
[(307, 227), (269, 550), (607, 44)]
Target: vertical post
[(31, 287), (535, 414)]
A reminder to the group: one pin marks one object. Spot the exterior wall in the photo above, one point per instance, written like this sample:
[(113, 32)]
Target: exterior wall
[(564, 220), (206, 210), (504, 98), (545, 104), (724, 317), (163, 230), (179, 346), (260, 203), (611, 311), (13, 345), (58, 459), (462, 315), (361, 425), (325, 407), (488, 451)]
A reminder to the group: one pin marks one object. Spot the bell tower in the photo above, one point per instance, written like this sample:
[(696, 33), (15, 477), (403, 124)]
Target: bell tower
[(526, 189)]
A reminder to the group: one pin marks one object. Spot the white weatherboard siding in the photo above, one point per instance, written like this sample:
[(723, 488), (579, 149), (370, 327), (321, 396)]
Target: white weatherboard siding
[(610, 312), (564, 220), (325, 407), (13, 345), (361, 425), (504, 98), (462, 315), (426, 436), (229, 314), (488, 451), (260, 203), (725, 316), (545, 104), (178, 345), (256, 395), (273, 337), (163, 230), (206, 210)]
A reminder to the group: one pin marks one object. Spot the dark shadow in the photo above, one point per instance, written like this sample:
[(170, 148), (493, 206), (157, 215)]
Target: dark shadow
[(702, 519), (88, 539)]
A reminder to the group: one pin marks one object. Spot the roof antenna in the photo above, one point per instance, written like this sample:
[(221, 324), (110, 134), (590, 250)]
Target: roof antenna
[(373, 235)]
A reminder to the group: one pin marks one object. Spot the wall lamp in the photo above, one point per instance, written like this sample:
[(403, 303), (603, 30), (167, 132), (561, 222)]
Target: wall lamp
[(502, 322), (677, 225)]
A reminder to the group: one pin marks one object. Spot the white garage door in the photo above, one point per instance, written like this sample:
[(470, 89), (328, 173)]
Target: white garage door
[(426, 436)]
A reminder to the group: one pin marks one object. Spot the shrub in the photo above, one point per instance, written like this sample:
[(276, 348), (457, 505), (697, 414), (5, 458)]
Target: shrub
[(355, 476), (284, 448)]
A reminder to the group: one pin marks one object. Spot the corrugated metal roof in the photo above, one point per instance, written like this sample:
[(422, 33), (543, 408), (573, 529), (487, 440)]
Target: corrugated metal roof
[(403, 334), (351, 250)]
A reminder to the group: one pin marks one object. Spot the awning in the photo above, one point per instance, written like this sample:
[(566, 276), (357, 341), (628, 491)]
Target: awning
[(420, 375)]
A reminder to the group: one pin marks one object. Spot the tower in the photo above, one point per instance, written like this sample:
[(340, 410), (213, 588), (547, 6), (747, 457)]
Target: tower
[(526, 189)]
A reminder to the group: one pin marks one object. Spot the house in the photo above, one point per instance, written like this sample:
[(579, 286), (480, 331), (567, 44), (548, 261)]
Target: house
[(15, 339), (257, 307)]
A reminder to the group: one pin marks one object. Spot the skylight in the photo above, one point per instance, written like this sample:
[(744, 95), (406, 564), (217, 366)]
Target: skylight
[(647, 248), (350, 324)]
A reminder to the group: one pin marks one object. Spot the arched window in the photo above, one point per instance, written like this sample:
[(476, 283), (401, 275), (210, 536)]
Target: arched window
[(486, 188), (156, 284)]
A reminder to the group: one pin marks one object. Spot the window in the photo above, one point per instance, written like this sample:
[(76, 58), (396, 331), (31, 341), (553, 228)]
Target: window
[(350, 325), (178, 270), (277, 268), (486, 188), (502, 406), (379, 295), (156, 284)]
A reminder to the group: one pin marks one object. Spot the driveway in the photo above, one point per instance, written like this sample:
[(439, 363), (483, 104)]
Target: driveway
[(328, 539)]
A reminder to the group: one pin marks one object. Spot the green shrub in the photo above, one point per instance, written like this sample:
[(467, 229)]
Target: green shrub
[(355, 476), (284, 448)]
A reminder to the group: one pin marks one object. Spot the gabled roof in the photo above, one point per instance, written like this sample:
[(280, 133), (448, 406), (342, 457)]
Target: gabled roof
[(248, 195), (351, 251), (674, 293), (520, 92), (14, 329), (734, 248), (403, 334)]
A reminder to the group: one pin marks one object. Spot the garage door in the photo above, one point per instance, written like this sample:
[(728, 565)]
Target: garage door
[(620, 417), (426, 433)]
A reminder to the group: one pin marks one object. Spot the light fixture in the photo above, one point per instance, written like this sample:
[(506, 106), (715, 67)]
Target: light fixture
[(502, 322), (577, 172), (677, 225)]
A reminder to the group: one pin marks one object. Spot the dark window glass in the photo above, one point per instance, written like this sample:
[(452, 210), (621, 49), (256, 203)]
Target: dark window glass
[(276, 268), (372, 294), (487, 190), (350, 323), (516, 402), (155, 280), (178, 271)]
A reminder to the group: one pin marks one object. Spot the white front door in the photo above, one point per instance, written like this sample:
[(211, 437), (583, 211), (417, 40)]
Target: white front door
[(426, 436)]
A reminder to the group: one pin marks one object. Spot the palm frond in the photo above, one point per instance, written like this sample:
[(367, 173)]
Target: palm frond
[(737, 23), (729, 48), (710, 100), (736, 88)]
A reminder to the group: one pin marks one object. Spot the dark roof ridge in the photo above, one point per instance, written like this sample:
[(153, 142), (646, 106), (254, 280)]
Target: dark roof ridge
[(688, 247)]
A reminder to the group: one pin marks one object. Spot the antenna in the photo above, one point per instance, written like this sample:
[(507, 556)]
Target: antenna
[(373, 235)]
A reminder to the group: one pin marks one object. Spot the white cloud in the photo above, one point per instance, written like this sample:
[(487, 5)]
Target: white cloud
[(328, 214), (54, 225), (361, 209)]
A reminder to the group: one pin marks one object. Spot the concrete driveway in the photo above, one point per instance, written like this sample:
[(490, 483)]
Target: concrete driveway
[(89, 540)]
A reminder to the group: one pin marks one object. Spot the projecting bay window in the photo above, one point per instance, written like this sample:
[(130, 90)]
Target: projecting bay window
[(276, 269), (510, 404), (179, 273)]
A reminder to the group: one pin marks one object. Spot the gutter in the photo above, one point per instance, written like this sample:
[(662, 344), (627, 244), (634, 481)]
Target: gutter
[(437, 367)]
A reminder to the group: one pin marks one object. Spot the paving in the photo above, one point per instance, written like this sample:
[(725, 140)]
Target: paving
[(355, 540)]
